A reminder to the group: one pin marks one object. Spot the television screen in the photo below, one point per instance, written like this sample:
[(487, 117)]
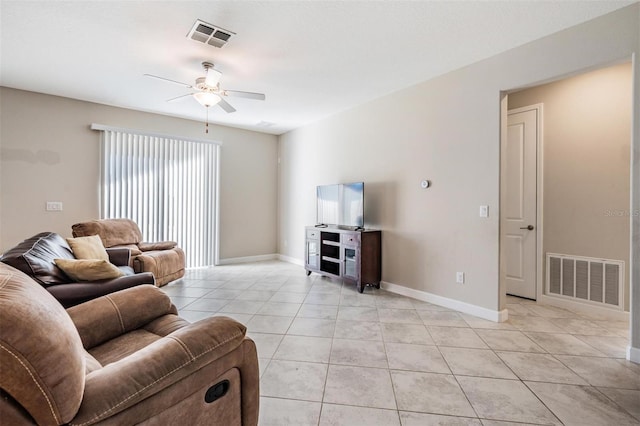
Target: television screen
[(341, 204)]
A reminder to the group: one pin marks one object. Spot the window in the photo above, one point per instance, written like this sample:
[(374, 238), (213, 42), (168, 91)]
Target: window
[(166, 185)]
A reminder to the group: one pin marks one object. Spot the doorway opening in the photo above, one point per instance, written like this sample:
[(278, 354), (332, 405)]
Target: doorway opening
[(565, 191)]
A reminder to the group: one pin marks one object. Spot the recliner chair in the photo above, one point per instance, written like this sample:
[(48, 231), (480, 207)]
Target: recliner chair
[(124, 358), (163, 259)]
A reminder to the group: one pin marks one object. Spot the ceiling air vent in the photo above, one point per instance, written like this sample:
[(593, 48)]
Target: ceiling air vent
[(209, 34), (265, 124)]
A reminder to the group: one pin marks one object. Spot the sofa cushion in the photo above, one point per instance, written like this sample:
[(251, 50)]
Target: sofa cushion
[(106, 318), (89, 269), (90, 247), (35, 257), (40, 350), (114, 232)]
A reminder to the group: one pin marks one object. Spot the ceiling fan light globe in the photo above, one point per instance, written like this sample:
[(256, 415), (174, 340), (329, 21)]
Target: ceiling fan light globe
[(207, 99)]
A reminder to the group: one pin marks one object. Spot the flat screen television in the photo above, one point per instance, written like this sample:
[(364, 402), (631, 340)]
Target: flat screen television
[(341, 204)]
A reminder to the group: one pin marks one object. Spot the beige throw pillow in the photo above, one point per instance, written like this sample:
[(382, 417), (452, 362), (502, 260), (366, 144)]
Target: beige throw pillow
[(88, 269), (88, 248)]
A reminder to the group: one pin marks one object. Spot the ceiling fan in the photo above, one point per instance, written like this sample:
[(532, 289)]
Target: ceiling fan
[(207, 90)]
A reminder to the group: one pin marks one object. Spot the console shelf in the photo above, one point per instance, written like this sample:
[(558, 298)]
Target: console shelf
[(353, 256), (330, 243)]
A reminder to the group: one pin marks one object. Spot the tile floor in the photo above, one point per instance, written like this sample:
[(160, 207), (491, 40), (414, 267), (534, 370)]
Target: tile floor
[(331, 356)]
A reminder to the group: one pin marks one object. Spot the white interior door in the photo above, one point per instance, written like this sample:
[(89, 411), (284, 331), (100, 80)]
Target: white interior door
[(520, 238)]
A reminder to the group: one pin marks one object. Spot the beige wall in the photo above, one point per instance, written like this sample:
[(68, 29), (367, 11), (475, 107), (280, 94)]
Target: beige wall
[(446, 130), (48, 153), (587, 140)]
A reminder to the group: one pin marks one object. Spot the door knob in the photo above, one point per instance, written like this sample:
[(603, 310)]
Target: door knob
[(529, 227)]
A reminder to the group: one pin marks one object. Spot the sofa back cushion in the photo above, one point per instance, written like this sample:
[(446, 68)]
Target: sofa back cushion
[(42, 357), (36, 257), (114, 232)]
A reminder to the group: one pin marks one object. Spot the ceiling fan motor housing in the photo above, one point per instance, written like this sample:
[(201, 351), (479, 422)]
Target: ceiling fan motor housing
[(202, 85)]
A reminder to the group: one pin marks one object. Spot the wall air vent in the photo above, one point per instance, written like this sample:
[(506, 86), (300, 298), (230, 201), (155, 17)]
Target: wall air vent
[(585, 279), (209, 34)]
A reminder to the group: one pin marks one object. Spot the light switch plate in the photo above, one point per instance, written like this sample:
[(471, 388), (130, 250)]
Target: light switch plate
[(484, 211), (54, 206)]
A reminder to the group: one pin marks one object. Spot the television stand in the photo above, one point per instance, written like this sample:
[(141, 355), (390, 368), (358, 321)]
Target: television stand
[(351, 255)]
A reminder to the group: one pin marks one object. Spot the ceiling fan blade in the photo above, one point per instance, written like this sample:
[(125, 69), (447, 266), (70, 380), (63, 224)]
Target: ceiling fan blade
[(226, 106), (188, 86), (179, 97), (248, 95)]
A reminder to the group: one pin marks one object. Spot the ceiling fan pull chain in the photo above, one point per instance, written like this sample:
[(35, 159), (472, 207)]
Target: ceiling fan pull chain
[(206, 124)]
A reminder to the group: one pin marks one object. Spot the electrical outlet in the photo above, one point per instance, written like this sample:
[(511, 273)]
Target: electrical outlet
[(460, 277), (54, 206)]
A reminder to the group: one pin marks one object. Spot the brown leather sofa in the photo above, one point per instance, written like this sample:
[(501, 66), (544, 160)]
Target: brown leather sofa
[(163, 259), (35, 257), (121, 359)]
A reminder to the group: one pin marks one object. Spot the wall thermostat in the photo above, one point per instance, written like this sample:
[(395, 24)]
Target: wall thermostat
[(425, 184)]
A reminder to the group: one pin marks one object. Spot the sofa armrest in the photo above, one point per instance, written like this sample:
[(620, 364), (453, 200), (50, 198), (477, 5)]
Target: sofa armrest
[(112, 315), (124, 383), (75, 293), (119, 256), (161, 245)]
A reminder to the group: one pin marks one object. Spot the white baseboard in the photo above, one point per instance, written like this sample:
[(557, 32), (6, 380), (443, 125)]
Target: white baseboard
[(289, 259), (247, 259), (584, 308), (633, 354), (467, 308)]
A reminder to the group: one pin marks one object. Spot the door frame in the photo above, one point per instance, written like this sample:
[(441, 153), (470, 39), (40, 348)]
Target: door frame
[(538, 108), (633, 350)]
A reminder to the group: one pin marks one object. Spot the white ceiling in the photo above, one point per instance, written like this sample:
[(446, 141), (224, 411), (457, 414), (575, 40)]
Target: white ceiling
[(311, 58)]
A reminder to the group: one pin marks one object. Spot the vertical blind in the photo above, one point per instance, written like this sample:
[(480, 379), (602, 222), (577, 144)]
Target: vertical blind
[(166, 185)]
